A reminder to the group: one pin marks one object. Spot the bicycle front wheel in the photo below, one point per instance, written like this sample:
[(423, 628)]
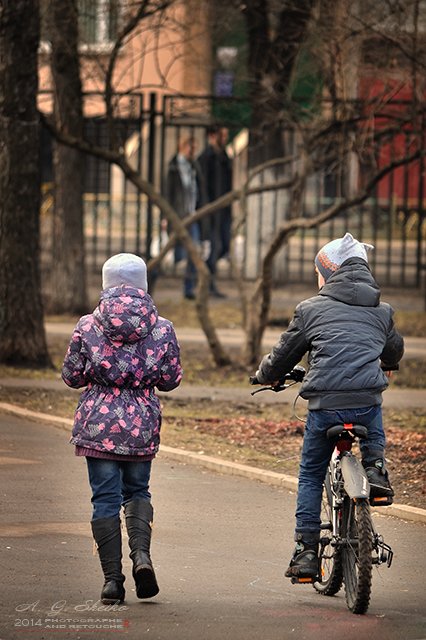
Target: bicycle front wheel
[(330, 558), (357, 547)]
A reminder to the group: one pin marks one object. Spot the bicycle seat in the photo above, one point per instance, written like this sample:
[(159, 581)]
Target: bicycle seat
[(347, 430)]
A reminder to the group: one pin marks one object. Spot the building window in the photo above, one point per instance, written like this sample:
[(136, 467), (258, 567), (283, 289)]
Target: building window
[(98, 21), (98, 24)]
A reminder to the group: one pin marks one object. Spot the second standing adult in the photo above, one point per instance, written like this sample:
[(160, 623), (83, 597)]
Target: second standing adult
[(185, 192), (217, 171)]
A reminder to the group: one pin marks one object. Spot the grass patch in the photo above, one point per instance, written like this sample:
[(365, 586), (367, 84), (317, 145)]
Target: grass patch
[(411, 323), (224, 314), (56, 403), (411, 374)]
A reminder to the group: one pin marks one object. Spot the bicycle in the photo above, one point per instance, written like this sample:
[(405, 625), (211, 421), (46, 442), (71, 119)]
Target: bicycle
[(349, 544)]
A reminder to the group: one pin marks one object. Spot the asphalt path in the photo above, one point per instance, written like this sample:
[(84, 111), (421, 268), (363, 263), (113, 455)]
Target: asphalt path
[(221, 545), (415, 347)]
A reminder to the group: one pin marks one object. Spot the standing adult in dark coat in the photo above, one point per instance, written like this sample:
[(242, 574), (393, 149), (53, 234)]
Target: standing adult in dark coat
[(217, 171)]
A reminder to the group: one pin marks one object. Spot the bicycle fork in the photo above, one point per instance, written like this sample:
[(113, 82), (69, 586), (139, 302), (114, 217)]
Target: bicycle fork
[(355, 484)]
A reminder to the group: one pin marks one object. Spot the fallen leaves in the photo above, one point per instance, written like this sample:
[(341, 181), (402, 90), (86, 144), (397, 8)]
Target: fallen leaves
[(406, 449)]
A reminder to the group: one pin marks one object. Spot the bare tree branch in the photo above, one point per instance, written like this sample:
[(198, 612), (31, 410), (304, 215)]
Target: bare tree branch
[(384, 35), (142, 13), (119, 159), (261, 294)]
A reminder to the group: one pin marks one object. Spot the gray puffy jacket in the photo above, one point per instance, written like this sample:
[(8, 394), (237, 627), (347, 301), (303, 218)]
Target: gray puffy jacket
[(348, 333)]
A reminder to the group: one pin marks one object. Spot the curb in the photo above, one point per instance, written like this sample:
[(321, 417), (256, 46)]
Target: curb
[(402, 511)]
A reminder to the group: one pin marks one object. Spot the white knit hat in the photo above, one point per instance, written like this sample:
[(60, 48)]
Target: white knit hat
[(124, 268), (335, 253)]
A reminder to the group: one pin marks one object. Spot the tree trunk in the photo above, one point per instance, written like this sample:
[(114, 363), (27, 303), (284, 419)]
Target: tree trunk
[(68, 285), (22, 337), (258, 304), (275, 36)]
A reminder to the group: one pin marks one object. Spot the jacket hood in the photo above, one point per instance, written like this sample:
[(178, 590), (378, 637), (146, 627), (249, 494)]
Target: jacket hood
[(126, 314), (353, 284)]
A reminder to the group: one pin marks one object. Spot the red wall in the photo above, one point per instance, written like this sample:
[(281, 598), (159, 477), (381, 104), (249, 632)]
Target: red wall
[(387, 99)]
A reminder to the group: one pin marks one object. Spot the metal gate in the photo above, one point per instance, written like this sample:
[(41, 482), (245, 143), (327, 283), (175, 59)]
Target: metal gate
[(119, 218)]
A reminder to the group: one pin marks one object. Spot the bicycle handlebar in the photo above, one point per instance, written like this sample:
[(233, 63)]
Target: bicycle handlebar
[(295, 375)]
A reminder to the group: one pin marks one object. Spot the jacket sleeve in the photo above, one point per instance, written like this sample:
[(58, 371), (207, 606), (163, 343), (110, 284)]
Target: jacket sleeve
[(168, 186), (288, 351), (73, 369), (206, 166), (394, 347), (202, 197), (171, 369)]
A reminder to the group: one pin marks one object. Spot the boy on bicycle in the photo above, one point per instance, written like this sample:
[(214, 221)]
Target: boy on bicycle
[(349, 335)]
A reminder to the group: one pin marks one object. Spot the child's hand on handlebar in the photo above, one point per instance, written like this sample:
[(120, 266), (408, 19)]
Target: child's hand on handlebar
[(254, 380), (389, 370)]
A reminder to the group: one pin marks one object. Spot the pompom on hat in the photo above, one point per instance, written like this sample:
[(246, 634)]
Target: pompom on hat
[(124, 268), (333, 254)]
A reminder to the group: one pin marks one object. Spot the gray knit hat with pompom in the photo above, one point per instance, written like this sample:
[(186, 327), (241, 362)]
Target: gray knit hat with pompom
[(335, 253)]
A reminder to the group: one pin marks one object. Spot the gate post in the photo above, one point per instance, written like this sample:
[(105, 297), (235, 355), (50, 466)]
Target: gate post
[(151, 169)]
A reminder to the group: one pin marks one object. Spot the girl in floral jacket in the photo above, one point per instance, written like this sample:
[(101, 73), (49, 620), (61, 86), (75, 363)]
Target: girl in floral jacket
[(120, 353)]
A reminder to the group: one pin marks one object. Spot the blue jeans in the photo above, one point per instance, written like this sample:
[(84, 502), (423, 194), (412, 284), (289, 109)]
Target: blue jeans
[(190, 278), (114, 483), (317, 451)]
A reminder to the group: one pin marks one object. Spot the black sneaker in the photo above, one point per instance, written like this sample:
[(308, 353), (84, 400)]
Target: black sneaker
[(215, 293), (304, 563), (379, 480)]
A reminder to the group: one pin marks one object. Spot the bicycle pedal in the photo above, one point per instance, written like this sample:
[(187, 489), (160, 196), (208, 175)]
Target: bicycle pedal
[(296, 580), (381, 501)]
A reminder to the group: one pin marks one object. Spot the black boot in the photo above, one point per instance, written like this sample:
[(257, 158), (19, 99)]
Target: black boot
[(107, 535), (214, 291), (304, 563), (378, 478), (139, 518)]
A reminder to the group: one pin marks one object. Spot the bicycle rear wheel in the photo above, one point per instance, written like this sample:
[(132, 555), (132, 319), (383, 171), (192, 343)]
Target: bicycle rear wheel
[(357, 550), (330, 560)]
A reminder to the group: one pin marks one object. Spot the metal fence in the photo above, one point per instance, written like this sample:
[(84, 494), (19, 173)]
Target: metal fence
[(119, 218)]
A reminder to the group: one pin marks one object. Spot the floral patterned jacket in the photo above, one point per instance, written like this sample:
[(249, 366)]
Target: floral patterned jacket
[(121, 352)]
